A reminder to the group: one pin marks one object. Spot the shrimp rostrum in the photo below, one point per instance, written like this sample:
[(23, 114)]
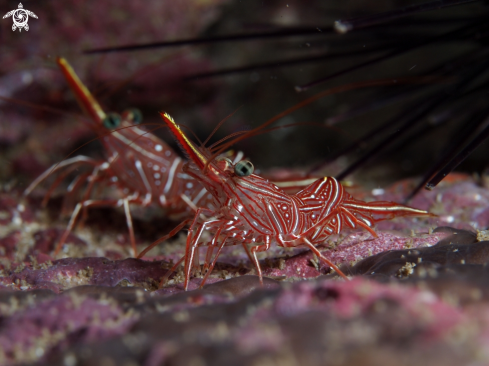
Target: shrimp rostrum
[(255, 213)]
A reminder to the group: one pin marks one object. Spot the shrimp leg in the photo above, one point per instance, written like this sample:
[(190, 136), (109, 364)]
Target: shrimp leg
[(87, 204)]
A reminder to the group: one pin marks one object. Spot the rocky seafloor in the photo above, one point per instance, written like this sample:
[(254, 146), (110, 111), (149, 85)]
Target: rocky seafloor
[(418, 294)]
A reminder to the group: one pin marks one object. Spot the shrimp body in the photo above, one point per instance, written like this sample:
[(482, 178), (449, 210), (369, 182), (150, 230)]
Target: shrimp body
[(255, 213), (149, 171), (138, 162)]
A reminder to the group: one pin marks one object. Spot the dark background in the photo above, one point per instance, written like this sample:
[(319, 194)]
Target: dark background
[(31, 139)]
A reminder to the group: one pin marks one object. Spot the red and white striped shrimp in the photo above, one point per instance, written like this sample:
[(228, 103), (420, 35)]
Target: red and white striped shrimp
[(144, 168), (255, 213)]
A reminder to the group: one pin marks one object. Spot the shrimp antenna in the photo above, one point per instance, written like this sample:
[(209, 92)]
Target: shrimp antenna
[(335, 90), (219, 125), (43, 108), (234, 134), (271, 129)]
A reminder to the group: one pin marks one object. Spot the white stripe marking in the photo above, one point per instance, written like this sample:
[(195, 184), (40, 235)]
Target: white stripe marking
[(171, 175), (139, 167)]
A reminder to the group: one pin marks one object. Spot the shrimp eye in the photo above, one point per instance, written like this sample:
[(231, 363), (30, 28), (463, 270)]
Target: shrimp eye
[(111, 121), (244, 168), (135, 115)]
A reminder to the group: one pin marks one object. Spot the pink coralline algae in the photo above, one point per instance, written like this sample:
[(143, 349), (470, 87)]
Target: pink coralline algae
[(29, 333), (355, 298), (358, 322), (71, 272), (114, 309), (350, 249), (362, 245)]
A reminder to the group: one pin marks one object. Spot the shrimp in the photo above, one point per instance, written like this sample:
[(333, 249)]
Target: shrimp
[(143, 168), (255, 213)]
